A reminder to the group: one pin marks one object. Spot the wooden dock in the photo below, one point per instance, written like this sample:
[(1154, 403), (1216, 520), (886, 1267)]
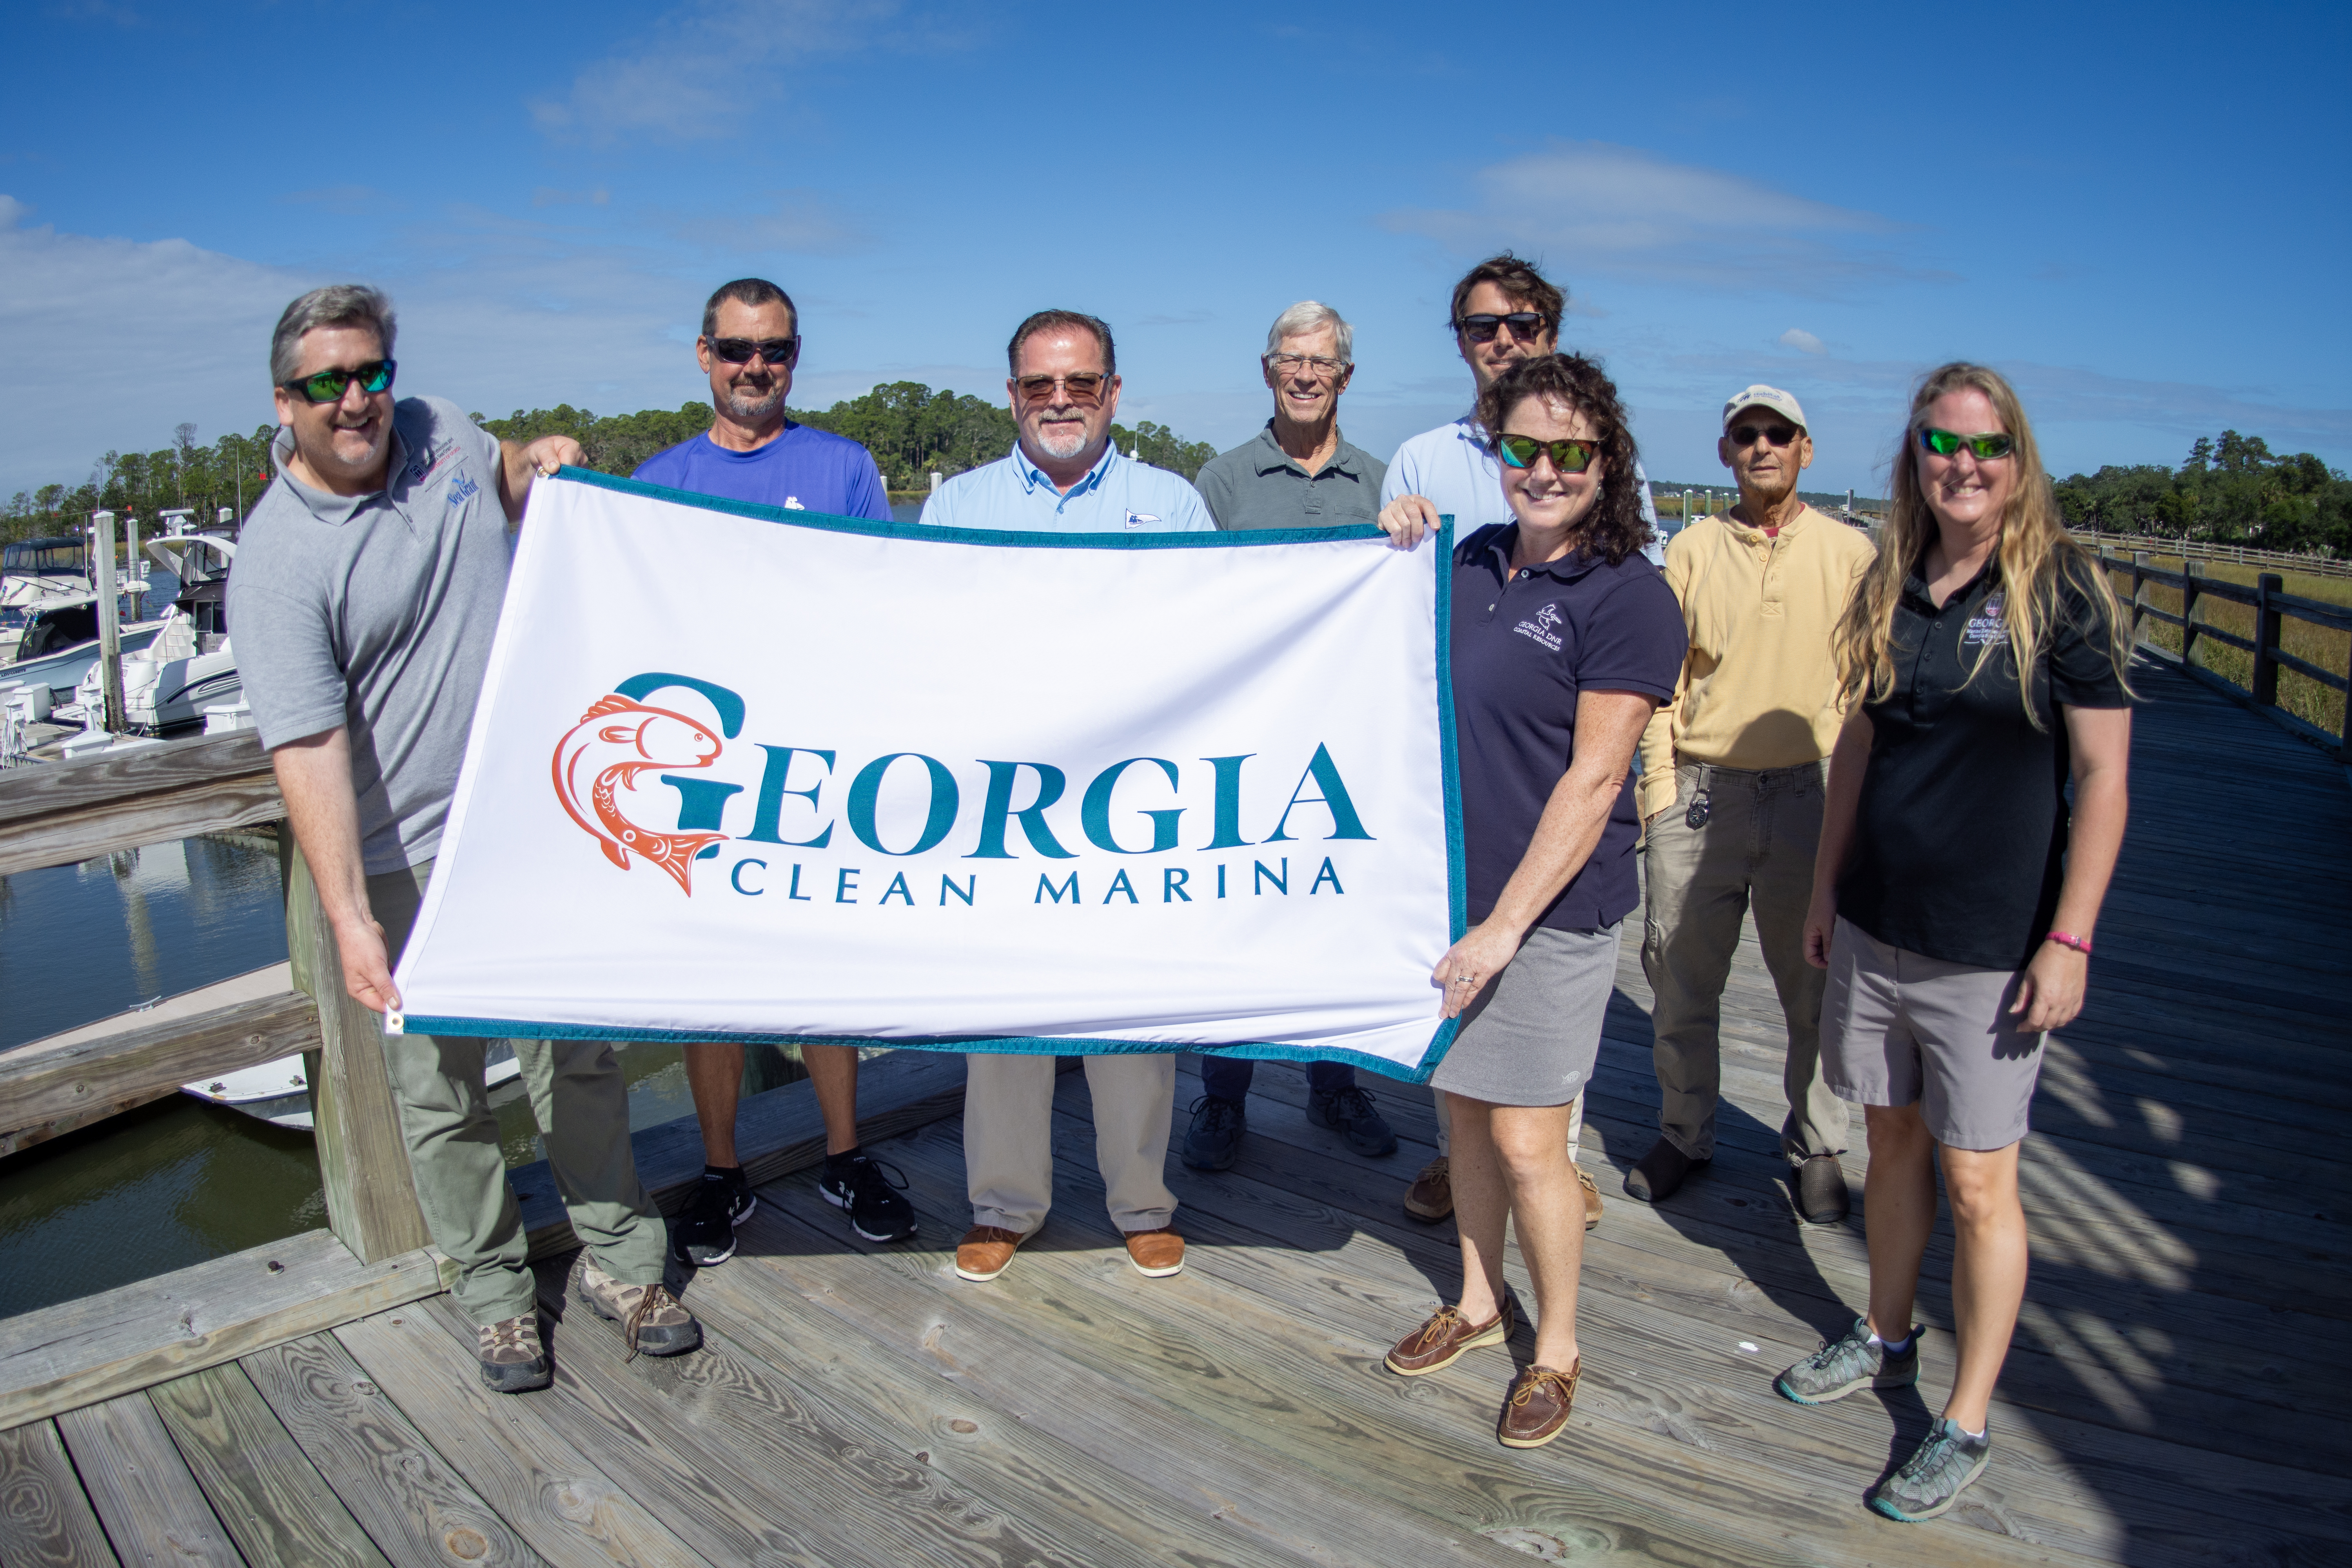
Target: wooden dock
[(2174, 1397)]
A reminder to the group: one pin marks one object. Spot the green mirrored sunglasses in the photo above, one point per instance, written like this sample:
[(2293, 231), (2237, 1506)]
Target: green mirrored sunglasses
[(1568, 456), (328, 385), (1944, 443)]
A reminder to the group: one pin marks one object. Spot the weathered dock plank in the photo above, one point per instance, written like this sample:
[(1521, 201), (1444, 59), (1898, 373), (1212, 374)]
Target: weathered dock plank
[(153, 1510), (45, 1519), (273, 1502)]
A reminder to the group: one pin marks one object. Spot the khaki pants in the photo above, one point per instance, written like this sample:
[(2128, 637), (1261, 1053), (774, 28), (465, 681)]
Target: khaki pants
[(1008, 1137), (582, 1106), (1755, 849)]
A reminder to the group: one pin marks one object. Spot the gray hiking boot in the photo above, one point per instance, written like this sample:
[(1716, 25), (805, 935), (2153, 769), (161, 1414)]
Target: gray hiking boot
[(651, 1318), (1933, 1478), (1845, 1364), (514, 1360)]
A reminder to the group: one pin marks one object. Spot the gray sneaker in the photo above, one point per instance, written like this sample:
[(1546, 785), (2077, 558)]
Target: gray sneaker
[(1845, 1364), (1933, 1478), (651, 1318)]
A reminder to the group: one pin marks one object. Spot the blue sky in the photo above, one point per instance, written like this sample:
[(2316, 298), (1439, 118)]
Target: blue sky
[(2137, 211)]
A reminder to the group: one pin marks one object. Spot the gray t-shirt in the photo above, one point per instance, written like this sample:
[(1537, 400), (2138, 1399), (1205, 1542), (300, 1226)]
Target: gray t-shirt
[(1258, 485), (375, 613)]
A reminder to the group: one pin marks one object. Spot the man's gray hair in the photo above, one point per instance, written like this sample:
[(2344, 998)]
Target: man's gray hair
[(1306, 316), (336, 305)]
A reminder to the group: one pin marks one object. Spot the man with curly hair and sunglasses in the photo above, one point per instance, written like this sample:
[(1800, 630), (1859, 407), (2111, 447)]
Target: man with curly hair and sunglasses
[(1731, 793), (1505, 311), (750, 346), (368, 585)]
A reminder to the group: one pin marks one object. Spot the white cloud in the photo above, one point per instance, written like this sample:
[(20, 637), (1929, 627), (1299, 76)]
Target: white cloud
[(800, 223), (1802, 340), (1592, 206), (711, 68)]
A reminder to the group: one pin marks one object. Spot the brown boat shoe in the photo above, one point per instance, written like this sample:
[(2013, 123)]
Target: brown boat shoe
[(1156, 1254), (984, 1251), (513, 1359), (1537, 1407), (1441, 1341), (1431, 1196), (652, 1320), (1592, 1197)]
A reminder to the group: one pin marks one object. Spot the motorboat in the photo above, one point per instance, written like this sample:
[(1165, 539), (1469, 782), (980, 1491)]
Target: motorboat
[(59, 644), (187, 665), (278, 1093)]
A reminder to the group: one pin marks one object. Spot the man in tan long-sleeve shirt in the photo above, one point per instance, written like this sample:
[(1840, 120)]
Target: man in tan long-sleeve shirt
[(1732, 774)]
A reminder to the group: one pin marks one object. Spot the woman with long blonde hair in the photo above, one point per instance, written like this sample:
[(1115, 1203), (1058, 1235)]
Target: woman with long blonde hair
[(1954, 890)]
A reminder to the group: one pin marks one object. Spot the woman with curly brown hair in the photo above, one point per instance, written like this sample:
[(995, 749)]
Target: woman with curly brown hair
[(1564, 640), (1955, 889)]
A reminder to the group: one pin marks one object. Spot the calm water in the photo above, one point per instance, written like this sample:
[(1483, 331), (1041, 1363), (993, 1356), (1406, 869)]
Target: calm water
[(181, 1180)]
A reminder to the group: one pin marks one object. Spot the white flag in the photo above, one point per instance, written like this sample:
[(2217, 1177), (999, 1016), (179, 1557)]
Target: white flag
[(742, 772)]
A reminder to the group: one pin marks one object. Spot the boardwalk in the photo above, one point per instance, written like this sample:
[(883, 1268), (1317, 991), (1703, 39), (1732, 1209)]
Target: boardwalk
[(2174, 1398)]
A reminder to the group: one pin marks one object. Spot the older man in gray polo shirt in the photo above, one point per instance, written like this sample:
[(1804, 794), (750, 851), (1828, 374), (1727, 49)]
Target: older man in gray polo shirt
[(1299, 471)]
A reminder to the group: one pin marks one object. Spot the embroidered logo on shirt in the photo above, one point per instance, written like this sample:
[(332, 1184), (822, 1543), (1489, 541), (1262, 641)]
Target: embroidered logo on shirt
[(1985, 626), (792, 503), (1141, 519), (1544, 628), (462, 488)]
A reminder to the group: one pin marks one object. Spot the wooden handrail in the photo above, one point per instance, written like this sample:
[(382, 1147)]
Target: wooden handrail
[(55, 814)]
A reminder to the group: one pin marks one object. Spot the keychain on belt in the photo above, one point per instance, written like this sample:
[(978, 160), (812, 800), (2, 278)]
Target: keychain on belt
[(1701, 808)]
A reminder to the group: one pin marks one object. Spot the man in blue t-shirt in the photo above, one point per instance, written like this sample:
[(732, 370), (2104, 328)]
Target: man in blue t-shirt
[(749, 345)]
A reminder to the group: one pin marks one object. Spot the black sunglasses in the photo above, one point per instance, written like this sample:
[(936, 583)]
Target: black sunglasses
[(1526, 326), (1745, 435), (739, 350), (1568, 456), (327, 385)]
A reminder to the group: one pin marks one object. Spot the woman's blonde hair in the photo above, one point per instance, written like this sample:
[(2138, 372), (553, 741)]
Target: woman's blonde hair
[(2033, 554)]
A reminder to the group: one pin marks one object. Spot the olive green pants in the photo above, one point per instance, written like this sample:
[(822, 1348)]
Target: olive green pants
[(582, 1108)]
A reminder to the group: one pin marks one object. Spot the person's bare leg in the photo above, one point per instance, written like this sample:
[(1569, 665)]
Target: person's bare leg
[(1989, 1264), (1530, 1151), (1899, 1209), (832, 1073), (1481, 1205), (714, 1075)]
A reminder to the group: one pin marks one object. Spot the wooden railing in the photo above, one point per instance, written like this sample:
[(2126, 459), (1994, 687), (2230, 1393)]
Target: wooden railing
[(60, 812), (2206, 550), (2272, 608)]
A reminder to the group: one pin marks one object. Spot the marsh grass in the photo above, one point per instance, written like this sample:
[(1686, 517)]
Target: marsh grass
[(2326, 647)]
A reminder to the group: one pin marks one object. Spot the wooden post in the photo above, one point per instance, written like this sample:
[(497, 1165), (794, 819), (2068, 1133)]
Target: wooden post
[(2266, 640), (2188, 612), (109, 622), (362, 1159), (2139, 565)]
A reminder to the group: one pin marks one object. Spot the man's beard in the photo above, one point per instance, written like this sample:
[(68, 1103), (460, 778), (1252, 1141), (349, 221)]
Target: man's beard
[(746, 404), (1063, 445)]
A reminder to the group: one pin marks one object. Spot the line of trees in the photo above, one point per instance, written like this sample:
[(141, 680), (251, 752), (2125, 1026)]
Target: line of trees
[(231, 472), (2230, 491)]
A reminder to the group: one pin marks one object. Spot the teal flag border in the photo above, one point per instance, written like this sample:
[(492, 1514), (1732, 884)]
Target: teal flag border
[(1457, 898)]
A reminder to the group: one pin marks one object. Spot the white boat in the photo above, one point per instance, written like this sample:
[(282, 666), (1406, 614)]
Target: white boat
[(187, 665), (59, 644), (278, 1092)]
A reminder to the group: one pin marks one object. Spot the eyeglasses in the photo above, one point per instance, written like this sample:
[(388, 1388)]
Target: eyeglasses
[(327, 385), (1290, 364), (1526, 326), (1086, 386), (1745, 435), (739, 350), (1568, 456), (1945, 444)]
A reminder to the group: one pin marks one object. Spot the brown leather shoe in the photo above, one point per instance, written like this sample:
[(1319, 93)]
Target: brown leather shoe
[(1440, 1342), (1431, 1196), (1537, 1406), (984, 1251), (1592, 1197), (1156, 1254)]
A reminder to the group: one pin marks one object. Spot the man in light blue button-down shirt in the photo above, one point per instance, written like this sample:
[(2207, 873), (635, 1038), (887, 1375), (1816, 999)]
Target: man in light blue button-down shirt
[(1065, 475)]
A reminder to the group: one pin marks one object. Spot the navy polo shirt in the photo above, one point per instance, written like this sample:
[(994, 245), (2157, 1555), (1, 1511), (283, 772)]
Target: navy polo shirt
[(1524, 645), (1960, 839)]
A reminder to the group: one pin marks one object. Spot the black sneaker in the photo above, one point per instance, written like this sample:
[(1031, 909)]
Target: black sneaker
[(1351, 1113), (1215, 1135), (704, 1231), (877, 1211)]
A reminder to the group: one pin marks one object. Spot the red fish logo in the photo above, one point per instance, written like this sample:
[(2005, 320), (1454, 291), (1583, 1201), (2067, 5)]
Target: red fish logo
[(614, 741)]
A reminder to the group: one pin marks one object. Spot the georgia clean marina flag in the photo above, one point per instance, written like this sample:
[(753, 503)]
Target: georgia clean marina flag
[(773, 775)]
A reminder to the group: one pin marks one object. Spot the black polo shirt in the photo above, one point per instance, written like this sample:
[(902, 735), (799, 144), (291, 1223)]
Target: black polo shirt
[(1961, 842), (1524, 646)]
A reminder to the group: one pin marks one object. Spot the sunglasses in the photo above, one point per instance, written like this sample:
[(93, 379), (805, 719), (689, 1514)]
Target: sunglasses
[(327, 385), (1745, 435), (739, 350), (1945, 444), (1526, 326), (1568, 456), (1086, 386)]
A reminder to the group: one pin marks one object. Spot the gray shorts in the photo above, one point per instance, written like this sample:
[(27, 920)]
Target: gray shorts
[(1532, 1036), (1900, 1028)]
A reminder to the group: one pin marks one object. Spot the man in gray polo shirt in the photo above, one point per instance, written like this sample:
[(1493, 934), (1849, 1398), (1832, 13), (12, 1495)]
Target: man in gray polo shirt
[(1299, 471), (368, 584)]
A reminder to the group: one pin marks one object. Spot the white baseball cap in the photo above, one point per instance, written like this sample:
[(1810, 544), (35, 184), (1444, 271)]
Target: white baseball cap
[(1762, 396)]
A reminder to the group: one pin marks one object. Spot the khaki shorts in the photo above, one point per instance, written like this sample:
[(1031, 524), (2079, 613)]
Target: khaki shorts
[(1899, 1029)]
